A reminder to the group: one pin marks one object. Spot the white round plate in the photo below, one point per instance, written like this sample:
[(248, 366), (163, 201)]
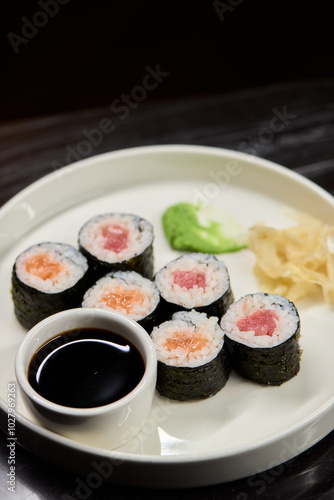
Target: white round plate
[(246, 428)]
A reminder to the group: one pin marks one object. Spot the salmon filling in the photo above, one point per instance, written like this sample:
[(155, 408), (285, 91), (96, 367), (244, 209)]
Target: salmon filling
[(123, 298), (44, 267), (115, 237), (189, 279), (189, 341), (262, 322)]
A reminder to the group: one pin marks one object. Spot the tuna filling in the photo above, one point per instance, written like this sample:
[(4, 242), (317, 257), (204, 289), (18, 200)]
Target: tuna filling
[(189, 279), (115, 237), (262, 322)]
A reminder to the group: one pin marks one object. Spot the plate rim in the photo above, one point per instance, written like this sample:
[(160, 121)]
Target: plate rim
[(170, 148), (190, 458)]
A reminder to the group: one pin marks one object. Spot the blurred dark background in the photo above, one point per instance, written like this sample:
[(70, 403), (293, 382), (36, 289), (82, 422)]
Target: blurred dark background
[(64, 55)]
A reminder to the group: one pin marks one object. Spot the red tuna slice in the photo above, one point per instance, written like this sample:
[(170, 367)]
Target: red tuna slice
[(262, 322), (188, 279), (116, 237)]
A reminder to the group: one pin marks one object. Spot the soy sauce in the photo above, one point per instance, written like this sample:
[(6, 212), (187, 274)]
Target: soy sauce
[(86, 368)]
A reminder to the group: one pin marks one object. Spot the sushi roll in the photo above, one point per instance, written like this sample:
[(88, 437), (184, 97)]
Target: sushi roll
[(117, 242), (47, 278), (194, 281), (262, 337), (126, 292), (192, 362)]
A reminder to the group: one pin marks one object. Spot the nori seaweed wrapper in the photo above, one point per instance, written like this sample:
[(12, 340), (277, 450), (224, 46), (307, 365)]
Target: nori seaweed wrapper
[(151, 320), (217, 307), (189, 369), (142, 263), (184, 383), (32, 305), (91, 297), (268, 366)]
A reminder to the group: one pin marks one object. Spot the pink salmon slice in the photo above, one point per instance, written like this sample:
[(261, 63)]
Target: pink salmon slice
[(43, 266), (124, 298), (189, 341)]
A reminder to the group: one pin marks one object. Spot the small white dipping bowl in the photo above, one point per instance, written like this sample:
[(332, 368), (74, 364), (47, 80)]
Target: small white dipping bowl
[(107, 426)]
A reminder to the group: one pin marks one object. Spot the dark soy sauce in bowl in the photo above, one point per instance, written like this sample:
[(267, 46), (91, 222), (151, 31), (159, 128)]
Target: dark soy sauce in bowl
[(86, 368)]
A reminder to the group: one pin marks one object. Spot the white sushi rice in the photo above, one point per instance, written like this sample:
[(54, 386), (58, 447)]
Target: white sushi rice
[(140, 236), (286, 325), (189, 323), (216, 279), (73, 266), (127, 280)]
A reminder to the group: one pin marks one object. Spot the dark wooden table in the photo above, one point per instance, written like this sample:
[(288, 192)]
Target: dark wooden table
[(291, 124)]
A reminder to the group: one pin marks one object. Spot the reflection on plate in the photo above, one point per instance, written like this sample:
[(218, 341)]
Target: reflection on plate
[(243, 429)]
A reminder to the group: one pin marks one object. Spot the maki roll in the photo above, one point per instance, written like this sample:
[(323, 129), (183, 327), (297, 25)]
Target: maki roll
[(47, 278), (126, 292), (194, 281), (262, 337), (192, 362), (117, 242)]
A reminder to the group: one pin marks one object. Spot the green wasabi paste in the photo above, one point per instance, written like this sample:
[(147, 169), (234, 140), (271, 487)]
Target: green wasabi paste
[(197, 228)]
